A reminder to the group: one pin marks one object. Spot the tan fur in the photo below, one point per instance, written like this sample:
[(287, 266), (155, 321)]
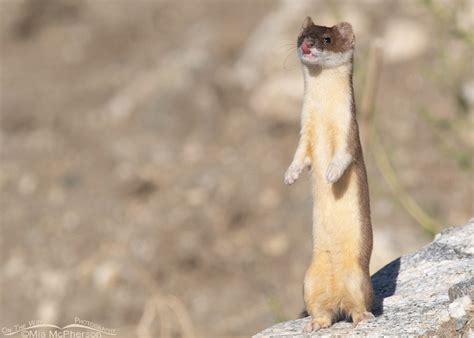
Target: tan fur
[(338, 277)]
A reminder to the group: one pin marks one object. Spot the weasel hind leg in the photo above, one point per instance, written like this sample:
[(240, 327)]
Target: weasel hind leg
[(317, 296), (357, 300)]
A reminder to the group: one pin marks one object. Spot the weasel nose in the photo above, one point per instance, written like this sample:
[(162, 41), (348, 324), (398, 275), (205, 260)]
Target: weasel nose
[(305, 47)]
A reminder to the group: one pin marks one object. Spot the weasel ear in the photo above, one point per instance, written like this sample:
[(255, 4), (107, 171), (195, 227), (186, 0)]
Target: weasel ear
[(308, 22), (345, 29)]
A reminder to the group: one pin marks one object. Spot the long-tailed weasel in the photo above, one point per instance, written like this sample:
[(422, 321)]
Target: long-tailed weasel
[(338, 279)]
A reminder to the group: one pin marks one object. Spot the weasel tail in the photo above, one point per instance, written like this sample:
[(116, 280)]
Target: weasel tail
[(338, 279)]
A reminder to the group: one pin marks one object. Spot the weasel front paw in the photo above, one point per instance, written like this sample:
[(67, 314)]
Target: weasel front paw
[(294, 170), (335, 171), (337, 166)]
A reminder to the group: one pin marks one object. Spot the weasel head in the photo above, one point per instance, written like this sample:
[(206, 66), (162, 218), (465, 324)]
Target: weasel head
[(325, 47)]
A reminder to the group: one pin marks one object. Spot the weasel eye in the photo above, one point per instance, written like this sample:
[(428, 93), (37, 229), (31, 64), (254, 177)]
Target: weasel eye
[(327, 40)]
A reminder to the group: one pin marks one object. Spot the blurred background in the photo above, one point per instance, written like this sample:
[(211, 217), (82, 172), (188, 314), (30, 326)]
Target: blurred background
[(144, 143)]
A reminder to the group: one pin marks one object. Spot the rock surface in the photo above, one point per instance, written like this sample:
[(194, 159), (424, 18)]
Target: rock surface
[(424, 293)]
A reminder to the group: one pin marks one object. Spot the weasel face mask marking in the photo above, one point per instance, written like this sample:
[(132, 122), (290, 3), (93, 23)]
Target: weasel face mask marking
[(325, 46)]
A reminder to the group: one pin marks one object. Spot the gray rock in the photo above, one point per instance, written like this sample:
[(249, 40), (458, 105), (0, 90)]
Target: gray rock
[(459, 290), (411, 293), (458, 309)]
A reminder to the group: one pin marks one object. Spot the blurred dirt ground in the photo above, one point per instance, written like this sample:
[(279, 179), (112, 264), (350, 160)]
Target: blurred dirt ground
[(143, 147)]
